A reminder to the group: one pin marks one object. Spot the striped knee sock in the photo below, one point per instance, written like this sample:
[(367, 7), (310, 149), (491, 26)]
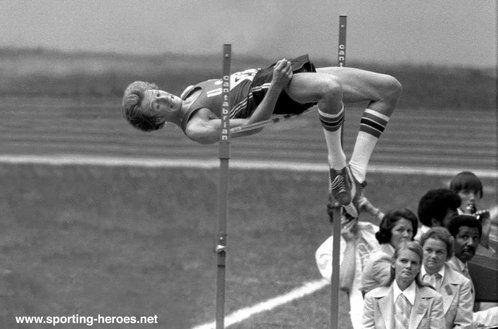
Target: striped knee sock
[(372, 126), (332, 128)]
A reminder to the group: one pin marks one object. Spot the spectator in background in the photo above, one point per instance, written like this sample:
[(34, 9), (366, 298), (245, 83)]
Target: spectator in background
[(454, 287), (404, 301), (466, 232), (398, 225), (435, 208), (470, 190), (357, 242)]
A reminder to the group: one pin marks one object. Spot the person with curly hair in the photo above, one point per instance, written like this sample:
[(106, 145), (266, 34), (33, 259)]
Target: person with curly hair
[(397, 226), (467, 232), (435, 208)]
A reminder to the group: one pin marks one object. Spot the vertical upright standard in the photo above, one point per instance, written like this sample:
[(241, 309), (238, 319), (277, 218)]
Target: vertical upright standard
[(224, 155), (341, 58), (336, 232)]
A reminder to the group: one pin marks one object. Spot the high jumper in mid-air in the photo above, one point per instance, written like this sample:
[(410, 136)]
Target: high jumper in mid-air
[(285, 87)]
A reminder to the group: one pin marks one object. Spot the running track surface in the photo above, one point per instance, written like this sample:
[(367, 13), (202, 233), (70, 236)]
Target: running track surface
[(437, 139)]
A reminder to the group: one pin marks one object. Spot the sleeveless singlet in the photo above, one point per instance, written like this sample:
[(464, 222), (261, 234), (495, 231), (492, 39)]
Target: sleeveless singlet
[(247, 90), (207, 94)]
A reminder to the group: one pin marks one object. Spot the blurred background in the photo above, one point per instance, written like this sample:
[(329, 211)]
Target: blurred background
[(431, 32)]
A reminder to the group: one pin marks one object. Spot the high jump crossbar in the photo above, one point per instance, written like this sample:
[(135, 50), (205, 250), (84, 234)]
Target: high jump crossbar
[(273, 120), (224, 155), (337, 209)]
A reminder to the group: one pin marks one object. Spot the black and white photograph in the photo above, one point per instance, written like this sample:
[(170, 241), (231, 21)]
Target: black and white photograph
[(248, 164)]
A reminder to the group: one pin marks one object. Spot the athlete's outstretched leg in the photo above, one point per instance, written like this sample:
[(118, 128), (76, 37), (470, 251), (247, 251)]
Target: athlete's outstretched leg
[(326, 91), (382, 92)]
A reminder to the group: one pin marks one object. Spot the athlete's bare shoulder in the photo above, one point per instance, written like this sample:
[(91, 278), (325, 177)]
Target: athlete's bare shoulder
[(201, 127)]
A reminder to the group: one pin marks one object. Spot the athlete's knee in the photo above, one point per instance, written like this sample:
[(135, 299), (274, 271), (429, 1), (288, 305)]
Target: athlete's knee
[(393, 87), (329, 90)]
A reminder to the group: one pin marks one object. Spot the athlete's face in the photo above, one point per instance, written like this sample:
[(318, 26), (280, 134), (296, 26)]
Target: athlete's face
[(161, 102)]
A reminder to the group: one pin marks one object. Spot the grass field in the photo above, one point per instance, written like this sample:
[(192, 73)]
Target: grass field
[(94, 240)]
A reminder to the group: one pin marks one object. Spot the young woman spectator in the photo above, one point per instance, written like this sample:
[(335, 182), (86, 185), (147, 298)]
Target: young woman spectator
[(404, 301)]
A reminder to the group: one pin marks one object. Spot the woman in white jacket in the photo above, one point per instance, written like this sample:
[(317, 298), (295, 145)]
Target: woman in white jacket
[(405, 302)]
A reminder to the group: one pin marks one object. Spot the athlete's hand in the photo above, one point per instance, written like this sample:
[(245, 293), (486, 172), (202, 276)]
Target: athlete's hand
[(282, 74)]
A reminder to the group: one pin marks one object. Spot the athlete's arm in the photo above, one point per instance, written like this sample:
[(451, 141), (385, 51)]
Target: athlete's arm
[(205, 128), (282, 75)]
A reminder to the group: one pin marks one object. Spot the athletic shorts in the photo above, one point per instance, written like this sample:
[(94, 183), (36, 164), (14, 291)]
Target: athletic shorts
[(285, 105)]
